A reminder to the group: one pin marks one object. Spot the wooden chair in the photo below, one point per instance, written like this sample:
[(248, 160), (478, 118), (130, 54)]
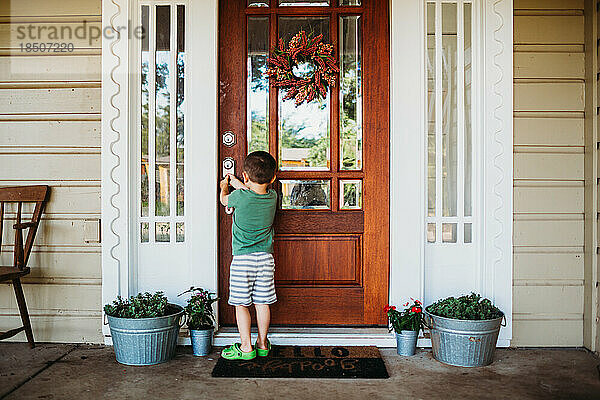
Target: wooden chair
[(21, 252)]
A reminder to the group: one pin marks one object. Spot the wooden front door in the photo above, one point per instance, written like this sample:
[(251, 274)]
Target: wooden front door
[(332, 225)]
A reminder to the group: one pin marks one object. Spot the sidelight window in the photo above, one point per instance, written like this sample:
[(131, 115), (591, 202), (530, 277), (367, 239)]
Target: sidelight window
[(162, 124), (449, 127)]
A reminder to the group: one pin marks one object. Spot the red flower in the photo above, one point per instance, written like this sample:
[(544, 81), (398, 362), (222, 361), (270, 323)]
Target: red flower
[(418, 302), (415, 309), (387, 308), (406, 304)]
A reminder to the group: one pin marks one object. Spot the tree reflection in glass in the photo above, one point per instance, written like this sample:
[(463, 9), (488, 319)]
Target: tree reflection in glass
[(145, 102), (304, 130), (304, 134), (350, 94), (163, 110), (257, 113)]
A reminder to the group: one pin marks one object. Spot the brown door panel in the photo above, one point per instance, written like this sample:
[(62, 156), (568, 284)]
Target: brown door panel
[(295, 221), (318, 260), (312, 306)]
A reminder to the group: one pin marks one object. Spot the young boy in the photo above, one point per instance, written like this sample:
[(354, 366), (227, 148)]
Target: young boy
[(251, 275)]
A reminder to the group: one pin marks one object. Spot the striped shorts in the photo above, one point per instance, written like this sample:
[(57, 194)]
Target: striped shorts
[(252, 279)]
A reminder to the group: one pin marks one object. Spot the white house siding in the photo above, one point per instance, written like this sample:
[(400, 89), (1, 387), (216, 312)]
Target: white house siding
[(549, 71), (50, 134)]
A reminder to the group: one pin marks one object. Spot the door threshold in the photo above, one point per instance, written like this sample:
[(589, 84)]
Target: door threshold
[(314, 336)]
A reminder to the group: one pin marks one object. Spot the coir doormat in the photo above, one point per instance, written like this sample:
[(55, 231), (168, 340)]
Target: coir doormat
[(308, 362)]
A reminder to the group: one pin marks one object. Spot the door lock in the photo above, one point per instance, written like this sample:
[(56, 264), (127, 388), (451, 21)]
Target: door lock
[(229, 138)]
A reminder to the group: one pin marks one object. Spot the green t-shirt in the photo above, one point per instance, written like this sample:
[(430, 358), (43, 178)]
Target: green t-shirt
[(252, 228)]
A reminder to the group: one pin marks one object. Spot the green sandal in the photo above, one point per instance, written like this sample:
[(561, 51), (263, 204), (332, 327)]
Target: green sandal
[(263, 352), (234, 352)]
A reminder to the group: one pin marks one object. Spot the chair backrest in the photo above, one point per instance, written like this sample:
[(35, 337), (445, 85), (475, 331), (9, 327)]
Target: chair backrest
[(19, 195)]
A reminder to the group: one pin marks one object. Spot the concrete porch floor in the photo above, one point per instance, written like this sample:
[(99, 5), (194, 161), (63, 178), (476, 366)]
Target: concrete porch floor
[(67, 371)]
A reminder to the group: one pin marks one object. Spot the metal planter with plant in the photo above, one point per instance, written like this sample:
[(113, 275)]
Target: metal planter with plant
[(200, 319), (144, 328), (406, 324), (464, 330)]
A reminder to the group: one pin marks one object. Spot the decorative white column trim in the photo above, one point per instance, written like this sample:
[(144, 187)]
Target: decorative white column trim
[(115, 152), (497, 162)]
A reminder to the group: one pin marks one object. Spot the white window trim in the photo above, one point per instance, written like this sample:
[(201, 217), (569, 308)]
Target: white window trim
[(407, 214)]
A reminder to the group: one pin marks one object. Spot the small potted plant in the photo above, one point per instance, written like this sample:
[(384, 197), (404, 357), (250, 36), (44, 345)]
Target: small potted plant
[(464, 330), (406, 325), (200, 319), (144, 328)]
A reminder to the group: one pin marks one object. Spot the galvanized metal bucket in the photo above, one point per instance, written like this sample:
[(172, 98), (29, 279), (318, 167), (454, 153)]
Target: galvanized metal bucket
[(201, 341), (463, 343), (406, 342), (145, 341)]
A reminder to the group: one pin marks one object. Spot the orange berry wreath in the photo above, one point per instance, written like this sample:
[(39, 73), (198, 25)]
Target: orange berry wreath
[(305, 69)]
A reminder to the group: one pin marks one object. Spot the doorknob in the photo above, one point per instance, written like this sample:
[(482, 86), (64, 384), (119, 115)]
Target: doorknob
[(228, 168)]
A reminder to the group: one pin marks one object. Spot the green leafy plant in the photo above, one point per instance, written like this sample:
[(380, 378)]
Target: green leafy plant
[(199, 309), (407, 320), (143, 305), (470, 307)]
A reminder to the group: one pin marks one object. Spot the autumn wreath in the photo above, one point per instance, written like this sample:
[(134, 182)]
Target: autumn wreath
[(305, 69)]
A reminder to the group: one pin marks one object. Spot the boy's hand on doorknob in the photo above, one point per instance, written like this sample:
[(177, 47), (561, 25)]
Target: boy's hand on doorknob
[(236, 183), (224, 184)]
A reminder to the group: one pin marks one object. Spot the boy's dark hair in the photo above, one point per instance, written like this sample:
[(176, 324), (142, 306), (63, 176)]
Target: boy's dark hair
[(260, 167)]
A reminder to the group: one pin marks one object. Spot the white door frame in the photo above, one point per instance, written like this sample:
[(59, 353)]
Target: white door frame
[(406, 147)]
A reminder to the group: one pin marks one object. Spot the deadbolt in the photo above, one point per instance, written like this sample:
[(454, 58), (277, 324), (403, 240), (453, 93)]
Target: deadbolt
[(229, 138)]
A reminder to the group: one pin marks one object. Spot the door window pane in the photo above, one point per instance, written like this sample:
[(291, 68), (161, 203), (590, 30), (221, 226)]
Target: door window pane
[(431, 233), (257, 113), (303, 129), (163, 232), (180, 109), (144, 110), (468, 233), (350, 93), (349, 2), (431, 112), (450, 107), (297, 194), (163, 107), (303, 2), (350, 194), (289, 26), (258, 3), (144, 232), (449, 233), (180, 232), (468, 106)]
